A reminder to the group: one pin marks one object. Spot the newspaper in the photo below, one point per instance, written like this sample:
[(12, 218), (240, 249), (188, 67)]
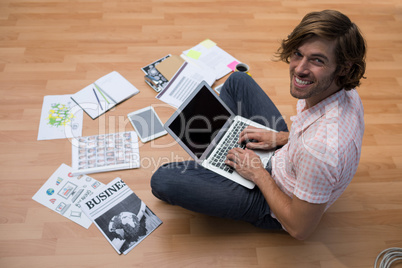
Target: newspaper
[(120, 215)]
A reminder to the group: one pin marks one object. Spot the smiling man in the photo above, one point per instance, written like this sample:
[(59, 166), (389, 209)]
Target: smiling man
[(313, 71), (314, 163)]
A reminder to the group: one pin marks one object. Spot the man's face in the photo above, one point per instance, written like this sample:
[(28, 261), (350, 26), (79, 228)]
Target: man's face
[(312, 71)]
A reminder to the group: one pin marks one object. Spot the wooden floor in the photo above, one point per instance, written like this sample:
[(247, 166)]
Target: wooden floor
[(50, 47)]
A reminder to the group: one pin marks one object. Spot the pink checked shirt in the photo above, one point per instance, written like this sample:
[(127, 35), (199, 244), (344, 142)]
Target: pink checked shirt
[(323, 151)]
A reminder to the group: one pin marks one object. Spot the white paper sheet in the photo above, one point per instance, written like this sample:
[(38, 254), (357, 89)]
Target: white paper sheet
[(185, 81), (63, 193), (60, 118), (209, 54)]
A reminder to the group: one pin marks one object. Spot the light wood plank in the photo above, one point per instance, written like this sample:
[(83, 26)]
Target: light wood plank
[(58, 47)]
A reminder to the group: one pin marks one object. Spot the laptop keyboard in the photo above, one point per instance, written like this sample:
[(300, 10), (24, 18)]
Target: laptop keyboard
[(230, 142)]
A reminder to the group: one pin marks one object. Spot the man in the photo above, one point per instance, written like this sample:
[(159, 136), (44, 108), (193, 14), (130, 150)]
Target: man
[(314, 163)]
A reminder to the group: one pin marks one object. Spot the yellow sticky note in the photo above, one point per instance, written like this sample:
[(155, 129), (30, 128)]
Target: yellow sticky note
[(208, 43), (194, 54)]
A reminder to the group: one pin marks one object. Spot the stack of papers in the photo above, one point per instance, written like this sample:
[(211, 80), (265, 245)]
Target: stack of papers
[(204, 62), (209, 54)]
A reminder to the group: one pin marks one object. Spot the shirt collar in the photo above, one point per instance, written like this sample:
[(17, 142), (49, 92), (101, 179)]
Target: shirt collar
[(329, 107)]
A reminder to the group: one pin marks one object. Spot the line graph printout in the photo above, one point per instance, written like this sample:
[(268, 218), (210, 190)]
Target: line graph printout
[(185, 81)]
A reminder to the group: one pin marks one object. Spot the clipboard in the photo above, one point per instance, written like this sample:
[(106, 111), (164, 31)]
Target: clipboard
[(170, 66)]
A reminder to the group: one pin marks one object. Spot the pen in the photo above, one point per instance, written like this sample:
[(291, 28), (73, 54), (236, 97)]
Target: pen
[(97, 99), (100, 91)]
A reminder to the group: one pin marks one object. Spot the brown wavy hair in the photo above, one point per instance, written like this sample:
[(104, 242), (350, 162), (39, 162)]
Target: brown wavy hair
[(350, 49)]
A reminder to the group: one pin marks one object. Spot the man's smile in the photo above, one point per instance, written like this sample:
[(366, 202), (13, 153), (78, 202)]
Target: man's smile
[(301, 83)]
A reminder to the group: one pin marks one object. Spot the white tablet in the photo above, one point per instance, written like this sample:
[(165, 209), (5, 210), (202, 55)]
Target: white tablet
[(147, 124)]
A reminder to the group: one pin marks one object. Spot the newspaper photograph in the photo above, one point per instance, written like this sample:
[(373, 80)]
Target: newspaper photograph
[(121, 216)]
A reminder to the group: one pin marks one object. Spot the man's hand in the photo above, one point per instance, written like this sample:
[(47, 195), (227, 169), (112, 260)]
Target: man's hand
[(247, 163), (262, 139), (298, 217)]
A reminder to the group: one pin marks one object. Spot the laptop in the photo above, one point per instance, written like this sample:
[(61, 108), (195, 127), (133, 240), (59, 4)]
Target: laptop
[(207, 129)]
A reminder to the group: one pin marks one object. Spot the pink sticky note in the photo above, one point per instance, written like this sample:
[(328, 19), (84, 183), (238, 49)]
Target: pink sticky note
[(232, 65)]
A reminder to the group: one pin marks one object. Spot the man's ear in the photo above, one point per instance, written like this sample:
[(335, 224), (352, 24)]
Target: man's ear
[(345, 69)]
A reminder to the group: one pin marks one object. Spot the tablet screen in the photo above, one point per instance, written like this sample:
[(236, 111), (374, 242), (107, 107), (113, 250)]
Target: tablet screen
[(147, 124)]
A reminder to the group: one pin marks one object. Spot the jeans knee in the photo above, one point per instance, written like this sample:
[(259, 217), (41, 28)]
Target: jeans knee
[(239, 76), (166, 179), (157, 185), (237, 80)]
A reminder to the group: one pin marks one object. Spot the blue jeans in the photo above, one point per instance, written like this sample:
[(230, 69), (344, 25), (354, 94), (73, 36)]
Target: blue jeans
[(195, 188)]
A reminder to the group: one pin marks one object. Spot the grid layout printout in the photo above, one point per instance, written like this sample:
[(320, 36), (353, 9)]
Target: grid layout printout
[(105, 152)]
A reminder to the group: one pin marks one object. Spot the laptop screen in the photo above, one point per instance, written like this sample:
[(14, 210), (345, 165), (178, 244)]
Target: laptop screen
[(200, 121)]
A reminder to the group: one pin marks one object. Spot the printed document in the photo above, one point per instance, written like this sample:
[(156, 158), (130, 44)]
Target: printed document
[(186, 79), (61, 118), (63, 193), (209, 54)]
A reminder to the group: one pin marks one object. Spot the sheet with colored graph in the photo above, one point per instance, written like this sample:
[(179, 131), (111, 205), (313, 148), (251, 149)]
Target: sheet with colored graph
[(61, 118)]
